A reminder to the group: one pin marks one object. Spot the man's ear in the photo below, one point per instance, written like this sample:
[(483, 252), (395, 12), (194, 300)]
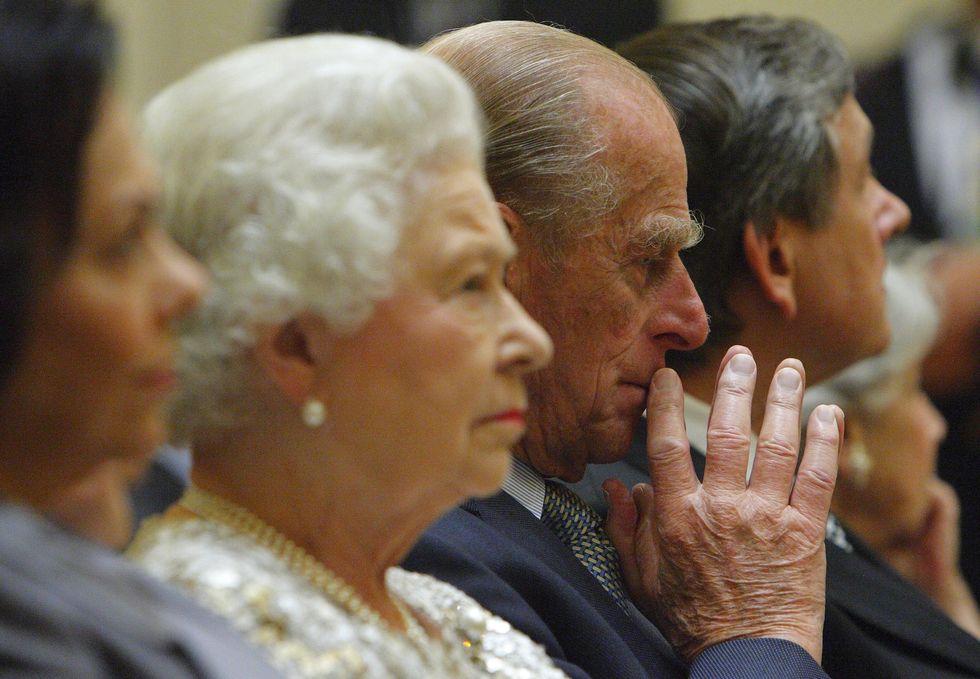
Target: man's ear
[(292, 354), (771, 259), (517, 269), (514, 222)]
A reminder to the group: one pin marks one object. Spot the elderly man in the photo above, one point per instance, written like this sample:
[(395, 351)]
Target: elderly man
[(791, 263), (588, 168)]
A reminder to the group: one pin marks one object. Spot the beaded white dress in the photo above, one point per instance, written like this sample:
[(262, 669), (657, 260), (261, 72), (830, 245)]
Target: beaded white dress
[(305, 634)]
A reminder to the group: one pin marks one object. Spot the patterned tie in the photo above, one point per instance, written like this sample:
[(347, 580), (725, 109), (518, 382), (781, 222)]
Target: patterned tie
[(579, 526)]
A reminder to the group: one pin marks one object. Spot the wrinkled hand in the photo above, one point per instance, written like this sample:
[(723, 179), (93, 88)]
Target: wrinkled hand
[(931, 558), (724, 559)]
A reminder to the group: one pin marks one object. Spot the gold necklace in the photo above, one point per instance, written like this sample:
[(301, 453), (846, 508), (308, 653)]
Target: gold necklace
[(298, 560)]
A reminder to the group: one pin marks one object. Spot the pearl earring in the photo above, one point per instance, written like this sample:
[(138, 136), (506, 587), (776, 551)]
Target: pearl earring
[(314, 413), (860, 463)]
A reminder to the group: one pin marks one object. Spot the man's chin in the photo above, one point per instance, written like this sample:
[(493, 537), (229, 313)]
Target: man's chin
[(612, 444)]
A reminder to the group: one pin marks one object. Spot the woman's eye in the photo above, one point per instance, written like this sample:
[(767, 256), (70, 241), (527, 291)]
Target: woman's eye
[(128, 243), (475, 283)]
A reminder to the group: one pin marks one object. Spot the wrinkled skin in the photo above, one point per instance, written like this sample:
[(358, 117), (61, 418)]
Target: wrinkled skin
[(723, 559)]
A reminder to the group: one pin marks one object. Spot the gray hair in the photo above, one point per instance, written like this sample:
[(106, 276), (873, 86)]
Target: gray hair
[(544, 151), (755, 97), (870, 386), (290, 169)]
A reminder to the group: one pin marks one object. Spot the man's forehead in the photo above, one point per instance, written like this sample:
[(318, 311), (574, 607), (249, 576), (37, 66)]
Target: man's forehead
[(851, 130)]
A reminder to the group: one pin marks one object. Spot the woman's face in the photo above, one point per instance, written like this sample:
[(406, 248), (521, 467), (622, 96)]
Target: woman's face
[(98, 356), (903, 442), (429, 394)]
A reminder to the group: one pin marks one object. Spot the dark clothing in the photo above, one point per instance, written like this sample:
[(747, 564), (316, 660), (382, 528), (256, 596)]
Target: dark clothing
[(71, 609), (877, 625), (496, 551)]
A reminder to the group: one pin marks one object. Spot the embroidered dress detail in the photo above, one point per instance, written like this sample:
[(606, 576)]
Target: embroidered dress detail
[(306, 632)]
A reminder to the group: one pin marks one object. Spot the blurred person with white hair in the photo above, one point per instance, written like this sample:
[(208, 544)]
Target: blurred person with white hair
[(888, 492)]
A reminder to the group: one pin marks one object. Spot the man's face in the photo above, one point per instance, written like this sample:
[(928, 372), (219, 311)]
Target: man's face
[(618, 300), (841, 297)]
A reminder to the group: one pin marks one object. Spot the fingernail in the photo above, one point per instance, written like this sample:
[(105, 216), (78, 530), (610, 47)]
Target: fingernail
[(742, 364), (788, 379), (826, 414)]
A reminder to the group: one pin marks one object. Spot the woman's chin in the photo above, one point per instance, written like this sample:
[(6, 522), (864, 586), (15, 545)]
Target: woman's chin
[(488, 476)]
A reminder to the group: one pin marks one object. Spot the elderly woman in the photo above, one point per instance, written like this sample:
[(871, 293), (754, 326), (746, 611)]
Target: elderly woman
[(888, 491), (91, 286), (357, 370)]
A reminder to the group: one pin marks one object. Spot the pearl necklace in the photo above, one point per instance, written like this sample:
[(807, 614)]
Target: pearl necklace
[(299, 561)]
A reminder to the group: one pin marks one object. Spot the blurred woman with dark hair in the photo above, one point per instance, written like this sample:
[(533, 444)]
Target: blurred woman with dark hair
[(91, 287)]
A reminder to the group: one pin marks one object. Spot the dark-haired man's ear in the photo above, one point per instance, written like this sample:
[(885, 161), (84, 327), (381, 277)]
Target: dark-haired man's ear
[(770, 258)]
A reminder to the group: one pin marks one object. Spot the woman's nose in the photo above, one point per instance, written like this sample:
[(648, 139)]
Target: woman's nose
[(525, 346)]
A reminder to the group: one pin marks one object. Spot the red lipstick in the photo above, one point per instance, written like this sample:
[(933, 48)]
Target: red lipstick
[(513, 416)]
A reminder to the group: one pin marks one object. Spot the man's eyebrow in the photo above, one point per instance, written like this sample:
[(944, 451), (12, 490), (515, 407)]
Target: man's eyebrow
[(666, 233)]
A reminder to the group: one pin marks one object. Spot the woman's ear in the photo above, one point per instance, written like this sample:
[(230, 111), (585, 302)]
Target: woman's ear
[(855, 461), (771, 259), (293, 353)]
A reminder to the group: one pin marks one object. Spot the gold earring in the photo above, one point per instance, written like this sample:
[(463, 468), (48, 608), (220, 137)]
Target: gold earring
[(314, 413)]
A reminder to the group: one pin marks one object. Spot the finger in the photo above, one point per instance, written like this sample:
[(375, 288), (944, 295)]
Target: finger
[(668, 451), (818, 471), (732, 350), (779, 437), (621, 518), (646, 594), (621, 522), (730, 424)]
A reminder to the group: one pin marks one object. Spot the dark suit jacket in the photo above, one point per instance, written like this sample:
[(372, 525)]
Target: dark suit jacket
[(496, 551), (70, 609), (877, 625)]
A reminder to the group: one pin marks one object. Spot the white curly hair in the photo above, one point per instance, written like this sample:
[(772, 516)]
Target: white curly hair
[(290, 169)]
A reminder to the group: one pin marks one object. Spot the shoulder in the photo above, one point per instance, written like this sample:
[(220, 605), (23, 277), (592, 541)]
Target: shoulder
[(75, 609)]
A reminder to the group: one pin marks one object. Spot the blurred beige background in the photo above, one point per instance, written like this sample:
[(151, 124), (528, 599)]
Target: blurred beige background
[(164, 39)]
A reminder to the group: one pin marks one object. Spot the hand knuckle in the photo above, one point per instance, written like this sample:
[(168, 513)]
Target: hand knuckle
[(784, 402), (779, 447), (734, 388), (666, 444), (728, 436), (820, 478)]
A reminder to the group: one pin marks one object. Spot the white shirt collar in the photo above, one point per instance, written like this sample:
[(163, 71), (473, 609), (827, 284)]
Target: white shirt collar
[(526, 486)]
